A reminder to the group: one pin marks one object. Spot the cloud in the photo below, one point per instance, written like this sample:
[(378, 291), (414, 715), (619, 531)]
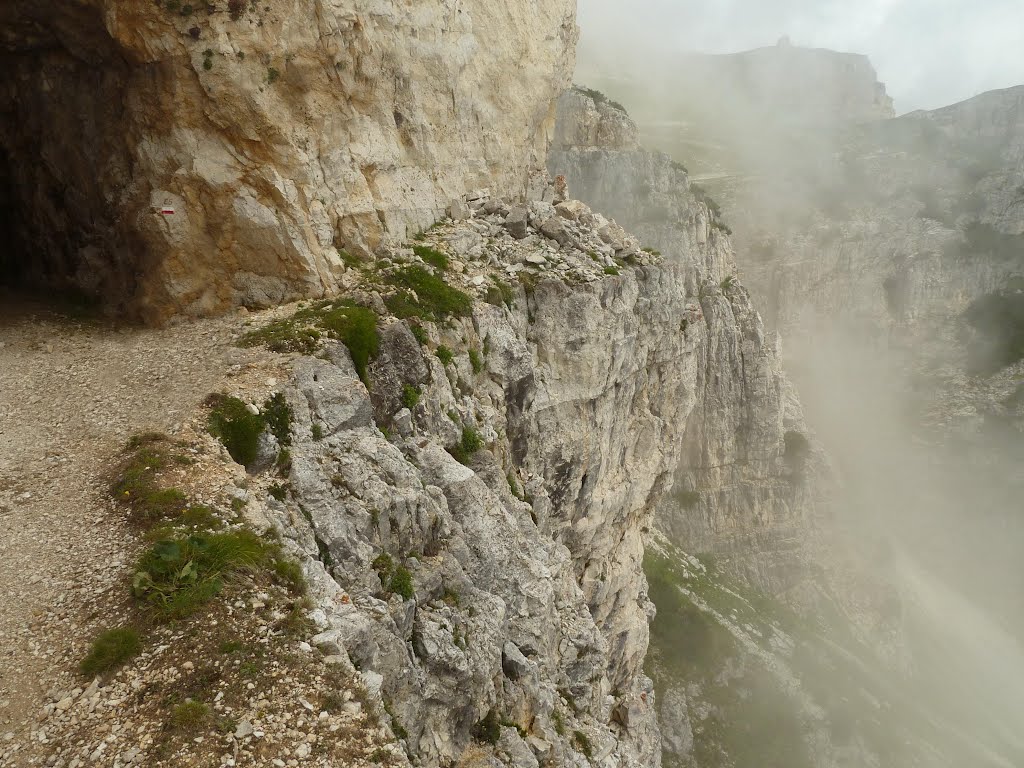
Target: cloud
[(929, 52)]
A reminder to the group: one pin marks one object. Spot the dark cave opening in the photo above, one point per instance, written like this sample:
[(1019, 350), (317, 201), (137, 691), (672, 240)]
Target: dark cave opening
[(63, 156), (13, 251)]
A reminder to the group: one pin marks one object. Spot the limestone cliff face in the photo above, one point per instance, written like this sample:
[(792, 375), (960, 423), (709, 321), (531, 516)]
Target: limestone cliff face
[(277, 133), (749, 479), (527, 626)]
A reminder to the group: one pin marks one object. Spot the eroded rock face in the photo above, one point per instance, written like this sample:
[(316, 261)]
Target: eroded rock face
[(737, 492), (277, 134), (582, 369)]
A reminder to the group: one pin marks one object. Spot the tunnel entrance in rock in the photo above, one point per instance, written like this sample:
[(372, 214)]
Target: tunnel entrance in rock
[(63, 155), (13, 250)]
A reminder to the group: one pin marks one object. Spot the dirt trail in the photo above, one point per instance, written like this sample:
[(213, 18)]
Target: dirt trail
[(70, 396)]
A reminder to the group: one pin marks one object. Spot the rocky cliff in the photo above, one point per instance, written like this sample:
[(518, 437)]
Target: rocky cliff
[(170, 158), (749, 479), (527, 440)]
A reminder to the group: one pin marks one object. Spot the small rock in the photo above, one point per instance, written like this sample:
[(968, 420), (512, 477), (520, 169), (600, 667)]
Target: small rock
[(244, 729)]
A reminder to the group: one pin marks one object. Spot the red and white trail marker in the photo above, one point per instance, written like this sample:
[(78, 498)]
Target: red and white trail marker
[(165, 211)]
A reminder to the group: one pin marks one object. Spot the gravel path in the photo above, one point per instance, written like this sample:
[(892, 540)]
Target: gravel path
[(70, 396)]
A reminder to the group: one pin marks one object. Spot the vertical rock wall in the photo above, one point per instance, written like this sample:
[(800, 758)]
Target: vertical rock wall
[(278, 133)]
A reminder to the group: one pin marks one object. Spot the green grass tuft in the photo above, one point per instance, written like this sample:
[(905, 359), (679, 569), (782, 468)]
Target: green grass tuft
[(582, 743), (190, 716), (237, 427), (289, 573), (354, 326), (476, 361), (432, 257), (422, 294), (177, 575), (110, 650), (445, 355)]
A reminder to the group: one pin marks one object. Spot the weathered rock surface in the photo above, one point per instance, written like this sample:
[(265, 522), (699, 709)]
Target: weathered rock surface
[(737, 492), (277, 135), (527, 603)]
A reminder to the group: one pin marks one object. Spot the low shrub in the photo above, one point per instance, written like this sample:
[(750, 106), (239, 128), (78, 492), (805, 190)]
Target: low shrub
[(419, 333), (410, 396), (797, 449), (278, 416), (400, 583), (470, 443), (488, 729)]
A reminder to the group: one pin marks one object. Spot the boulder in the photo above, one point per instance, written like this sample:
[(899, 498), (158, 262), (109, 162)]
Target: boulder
[(517, 223)]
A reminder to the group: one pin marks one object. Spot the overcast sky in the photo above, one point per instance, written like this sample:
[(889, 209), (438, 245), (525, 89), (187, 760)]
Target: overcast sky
[(929, 53)]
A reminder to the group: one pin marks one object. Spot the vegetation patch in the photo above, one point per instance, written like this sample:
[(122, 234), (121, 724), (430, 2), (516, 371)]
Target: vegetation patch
[(610, 270), (410, 396), (421, 293), (470, 443), (191, 716), (688, 643), (432, 256), (476, 361), (400, 583), (110, 650), (582, 743), (500, 293), (797, 449), (488, 728), (176, 576), (135, 483), (419, 333), (999, 318), (444, 354), (688, 499), (278, 416), (599, 98), (352, 325), (237, 427)]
